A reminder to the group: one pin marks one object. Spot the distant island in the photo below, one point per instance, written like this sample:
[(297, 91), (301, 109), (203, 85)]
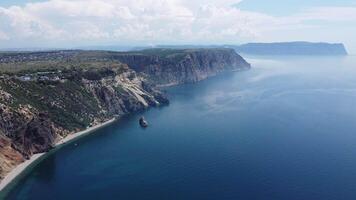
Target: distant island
[(292, 48)]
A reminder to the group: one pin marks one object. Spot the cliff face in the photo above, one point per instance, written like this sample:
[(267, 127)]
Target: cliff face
[(9, 157), (38, 109), (185, 66), (35, 115)]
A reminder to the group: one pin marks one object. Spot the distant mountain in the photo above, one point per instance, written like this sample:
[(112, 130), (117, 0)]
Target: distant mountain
[(291, 48)]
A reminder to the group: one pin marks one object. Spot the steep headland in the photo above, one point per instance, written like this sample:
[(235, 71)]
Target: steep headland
[(171, 67), (46, 96)]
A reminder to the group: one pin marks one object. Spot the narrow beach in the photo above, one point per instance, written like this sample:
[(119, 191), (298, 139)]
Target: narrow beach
[(23, 166)]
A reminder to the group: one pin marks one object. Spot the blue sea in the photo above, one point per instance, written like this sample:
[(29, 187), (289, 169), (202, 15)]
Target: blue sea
[(284, 130)]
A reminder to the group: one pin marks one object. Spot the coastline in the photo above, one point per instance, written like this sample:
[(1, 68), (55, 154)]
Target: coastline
[(19, 169)]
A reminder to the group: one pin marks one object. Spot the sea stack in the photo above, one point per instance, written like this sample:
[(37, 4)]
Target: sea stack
[(143, 122)]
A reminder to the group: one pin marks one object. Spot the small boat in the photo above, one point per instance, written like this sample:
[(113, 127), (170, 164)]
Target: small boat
[(143, 122)]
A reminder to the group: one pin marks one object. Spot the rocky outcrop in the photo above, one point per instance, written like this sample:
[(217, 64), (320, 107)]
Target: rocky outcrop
[(36, 136), (124, 93), (9, 157)]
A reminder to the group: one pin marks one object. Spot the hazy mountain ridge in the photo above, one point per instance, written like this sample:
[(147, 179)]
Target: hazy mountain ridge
[(292, 48)]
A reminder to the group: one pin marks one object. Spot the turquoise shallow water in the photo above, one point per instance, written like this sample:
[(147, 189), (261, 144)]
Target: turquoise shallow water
[(286, 129)]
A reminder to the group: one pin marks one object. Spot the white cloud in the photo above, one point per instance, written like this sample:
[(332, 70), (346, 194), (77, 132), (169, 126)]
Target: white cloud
[(329, 14), (3, 36), (151, 21)]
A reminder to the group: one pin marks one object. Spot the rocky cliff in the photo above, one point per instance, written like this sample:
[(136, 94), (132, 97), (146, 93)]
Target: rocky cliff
[(68, 91), (172, 67), (35, 115)]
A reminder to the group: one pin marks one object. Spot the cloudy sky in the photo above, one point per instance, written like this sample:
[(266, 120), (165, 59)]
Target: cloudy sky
[(71, 23)]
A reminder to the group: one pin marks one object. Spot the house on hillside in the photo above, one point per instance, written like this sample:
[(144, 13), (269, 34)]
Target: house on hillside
[(43, 78), (55, 78), (25, 78)]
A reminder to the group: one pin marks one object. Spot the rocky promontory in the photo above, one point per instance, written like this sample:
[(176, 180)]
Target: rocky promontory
[(175, 67)]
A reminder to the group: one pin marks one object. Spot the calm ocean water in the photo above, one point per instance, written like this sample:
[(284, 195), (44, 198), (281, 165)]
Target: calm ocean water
[(286, 129)]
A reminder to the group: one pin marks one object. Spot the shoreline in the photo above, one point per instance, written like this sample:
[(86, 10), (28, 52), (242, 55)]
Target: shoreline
[(19, 169)]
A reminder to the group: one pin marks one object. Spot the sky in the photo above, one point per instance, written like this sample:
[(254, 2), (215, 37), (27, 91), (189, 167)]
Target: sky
[(73, 23)]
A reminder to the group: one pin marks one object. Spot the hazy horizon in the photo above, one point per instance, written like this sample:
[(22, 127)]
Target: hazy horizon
[(79, 23)]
